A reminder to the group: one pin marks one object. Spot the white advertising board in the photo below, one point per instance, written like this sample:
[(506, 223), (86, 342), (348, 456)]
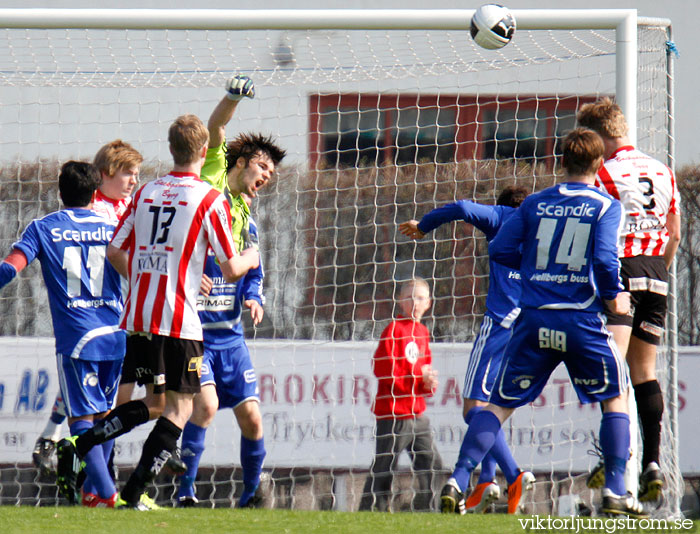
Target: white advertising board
[(316, 400)]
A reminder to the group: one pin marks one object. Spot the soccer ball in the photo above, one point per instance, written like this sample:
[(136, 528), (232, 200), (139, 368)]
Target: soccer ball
[(492, 26)]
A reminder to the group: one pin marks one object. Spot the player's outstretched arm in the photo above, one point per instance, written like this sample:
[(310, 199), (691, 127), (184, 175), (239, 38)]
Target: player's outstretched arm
[(505, 247), (237, 88), (11, 266), (410, 229), (236, 267)]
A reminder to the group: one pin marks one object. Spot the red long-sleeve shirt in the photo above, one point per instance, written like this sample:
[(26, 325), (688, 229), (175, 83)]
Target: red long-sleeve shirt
[(402, 352)]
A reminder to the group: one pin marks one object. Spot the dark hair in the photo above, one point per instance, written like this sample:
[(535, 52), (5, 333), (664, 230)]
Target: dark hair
[(512, 196), (582, 152), (77, 183), (248, 145)]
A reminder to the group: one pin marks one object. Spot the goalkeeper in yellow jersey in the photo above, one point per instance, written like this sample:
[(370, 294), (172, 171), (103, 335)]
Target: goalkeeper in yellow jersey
[(239, 169)]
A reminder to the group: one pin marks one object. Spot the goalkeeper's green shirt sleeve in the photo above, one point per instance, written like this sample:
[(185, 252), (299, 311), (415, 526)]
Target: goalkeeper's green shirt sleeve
[(214, 169), (214, 173)]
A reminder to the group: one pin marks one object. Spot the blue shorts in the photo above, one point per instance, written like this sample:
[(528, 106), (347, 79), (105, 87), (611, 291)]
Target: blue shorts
[(87, 387), (485, 359), (542, 339), (231, 371)]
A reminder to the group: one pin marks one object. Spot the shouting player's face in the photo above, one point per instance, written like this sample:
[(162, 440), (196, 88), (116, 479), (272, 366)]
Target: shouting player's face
[(122, 184), (414, 301), (256, 175)]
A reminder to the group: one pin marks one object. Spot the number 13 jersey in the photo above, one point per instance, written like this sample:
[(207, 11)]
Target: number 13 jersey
[(167, 230)]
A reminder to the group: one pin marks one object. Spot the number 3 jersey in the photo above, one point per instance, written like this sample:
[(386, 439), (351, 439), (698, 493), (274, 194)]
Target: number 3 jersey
[(648, 192), (564, 240), (83, 288), (167, 229)]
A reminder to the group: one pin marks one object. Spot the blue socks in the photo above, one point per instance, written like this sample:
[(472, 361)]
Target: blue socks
[(488, 468), (504, 458), (615, 443), (481, 435), (498, 455), (98, 480), (252, 456), (191, 453)]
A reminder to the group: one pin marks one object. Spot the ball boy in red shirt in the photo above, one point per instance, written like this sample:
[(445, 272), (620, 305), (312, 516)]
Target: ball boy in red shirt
[(402, 365)]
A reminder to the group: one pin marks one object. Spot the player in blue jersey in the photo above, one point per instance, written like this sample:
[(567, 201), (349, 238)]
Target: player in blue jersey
[(228, 378), (564, 241), (85, 302), (487, 352), (119, 164), (238, 169)]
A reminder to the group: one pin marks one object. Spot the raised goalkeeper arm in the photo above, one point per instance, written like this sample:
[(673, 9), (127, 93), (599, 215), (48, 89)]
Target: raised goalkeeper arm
[(237, 88)]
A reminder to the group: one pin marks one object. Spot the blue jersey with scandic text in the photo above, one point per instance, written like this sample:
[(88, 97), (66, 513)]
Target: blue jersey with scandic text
[(83, 288), (504, 282), (220, 312), (564, 240)]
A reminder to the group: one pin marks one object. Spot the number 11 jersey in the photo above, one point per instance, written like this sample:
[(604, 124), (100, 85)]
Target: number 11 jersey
[(83, 289), (167, 230)]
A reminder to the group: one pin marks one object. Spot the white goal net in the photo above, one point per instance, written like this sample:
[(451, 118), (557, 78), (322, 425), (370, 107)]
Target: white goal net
[(380, 127)]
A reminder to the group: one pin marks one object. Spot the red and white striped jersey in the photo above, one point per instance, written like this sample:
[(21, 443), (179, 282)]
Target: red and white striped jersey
[(648, 192), (167, 229), (110, 208)]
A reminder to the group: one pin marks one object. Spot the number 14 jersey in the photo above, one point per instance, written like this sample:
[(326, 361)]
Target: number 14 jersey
[(167, 229), (563, 240)]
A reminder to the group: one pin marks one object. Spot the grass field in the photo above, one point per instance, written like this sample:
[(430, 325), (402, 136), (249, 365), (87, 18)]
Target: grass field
[(204, 521)]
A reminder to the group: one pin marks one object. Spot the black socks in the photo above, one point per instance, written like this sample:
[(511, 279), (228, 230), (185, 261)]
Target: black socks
[(119, 421), (650, 407), (157, 449)]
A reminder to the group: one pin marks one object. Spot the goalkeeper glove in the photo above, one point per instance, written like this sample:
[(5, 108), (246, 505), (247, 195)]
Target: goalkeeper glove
[(238, 87)]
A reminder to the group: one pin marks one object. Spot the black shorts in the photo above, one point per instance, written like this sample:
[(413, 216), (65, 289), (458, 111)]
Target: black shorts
[(133, 368), (166, 362), (646, 278)]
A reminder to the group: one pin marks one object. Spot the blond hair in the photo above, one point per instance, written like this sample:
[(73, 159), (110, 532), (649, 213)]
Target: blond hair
[(117, 156), (187, 136), (604, 117), (413, 282)]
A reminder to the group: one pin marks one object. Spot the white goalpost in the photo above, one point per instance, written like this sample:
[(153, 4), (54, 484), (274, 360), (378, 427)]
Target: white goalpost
[(385, 114)]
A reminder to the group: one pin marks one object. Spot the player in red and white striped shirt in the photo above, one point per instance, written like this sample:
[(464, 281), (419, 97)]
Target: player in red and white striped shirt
[(161, 244), (166, 232), (119, 164), (649, 237)]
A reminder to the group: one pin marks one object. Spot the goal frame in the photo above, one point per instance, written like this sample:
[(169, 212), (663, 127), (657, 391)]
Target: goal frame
[(623, 21)]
